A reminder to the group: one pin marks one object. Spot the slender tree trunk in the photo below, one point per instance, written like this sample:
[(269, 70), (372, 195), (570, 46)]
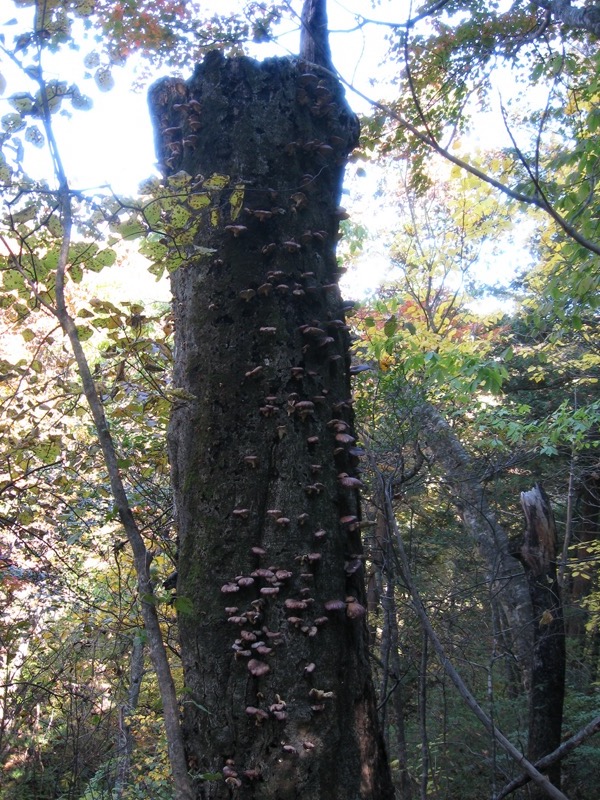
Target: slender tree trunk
[(586, 533), (539, 554), (280, 702), (423, 717), (384, 565), (125, 740)]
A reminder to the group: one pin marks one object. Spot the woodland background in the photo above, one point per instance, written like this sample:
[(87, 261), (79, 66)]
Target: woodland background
[(459, 407)]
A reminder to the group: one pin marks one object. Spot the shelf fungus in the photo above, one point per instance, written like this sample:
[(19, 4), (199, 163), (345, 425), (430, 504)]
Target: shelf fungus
[(335, 605), (348, 482), (354, 610), (350, 522), (258, 713), (261, 214), (258, 668), (319, 695), (305, 409), (236, 230), (295, 605), (263, 572)]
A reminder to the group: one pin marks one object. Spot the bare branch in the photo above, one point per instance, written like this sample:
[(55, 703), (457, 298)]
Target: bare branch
[(565, 748), (538, 200)]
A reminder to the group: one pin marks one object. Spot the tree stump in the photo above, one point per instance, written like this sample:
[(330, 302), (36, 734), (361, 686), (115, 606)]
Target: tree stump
[(279, 701)]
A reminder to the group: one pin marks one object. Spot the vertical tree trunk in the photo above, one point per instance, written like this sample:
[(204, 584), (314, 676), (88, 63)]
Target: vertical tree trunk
[(539, 554), (125, 741), (381, 591), (279, 695)]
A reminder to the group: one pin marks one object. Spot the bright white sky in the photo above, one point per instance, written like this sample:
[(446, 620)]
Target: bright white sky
[(112, 144)]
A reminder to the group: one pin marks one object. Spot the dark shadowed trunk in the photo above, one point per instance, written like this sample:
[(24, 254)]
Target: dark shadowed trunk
[(279, 696), (539, 555)]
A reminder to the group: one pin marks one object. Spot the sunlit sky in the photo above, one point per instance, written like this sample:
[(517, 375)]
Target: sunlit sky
[(112, 144)]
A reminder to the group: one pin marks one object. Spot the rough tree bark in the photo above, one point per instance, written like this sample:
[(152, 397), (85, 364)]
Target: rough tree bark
[(539, 556), (568, 16), (279, 695)]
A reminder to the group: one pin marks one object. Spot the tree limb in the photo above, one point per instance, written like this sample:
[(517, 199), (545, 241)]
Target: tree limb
[(565, 748), (314, 34), (587, 19)]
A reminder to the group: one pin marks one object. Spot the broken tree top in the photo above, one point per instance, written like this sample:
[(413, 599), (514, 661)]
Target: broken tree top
[(257, 110)]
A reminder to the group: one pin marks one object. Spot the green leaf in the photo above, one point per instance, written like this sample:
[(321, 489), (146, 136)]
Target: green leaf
[(183, 605), (130, 230), (22, 102), (105, 258), (391, 326), (13, 280), (84, 332), (12, 122), (103, 79)]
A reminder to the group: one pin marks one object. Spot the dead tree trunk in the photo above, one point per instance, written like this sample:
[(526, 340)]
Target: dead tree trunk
[(539, 556), (279, 699)]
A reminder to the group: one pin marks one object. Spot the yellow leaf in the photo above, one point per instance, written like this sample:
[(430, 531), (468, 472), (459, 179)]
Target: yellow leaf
[(237, 200), (199, 200), (216, 181), (547, 618)]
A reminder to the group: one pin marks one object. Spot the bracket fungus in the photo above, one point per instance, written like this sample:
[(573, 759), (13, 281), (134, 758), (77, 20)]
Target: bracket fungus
[(258, 668)]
